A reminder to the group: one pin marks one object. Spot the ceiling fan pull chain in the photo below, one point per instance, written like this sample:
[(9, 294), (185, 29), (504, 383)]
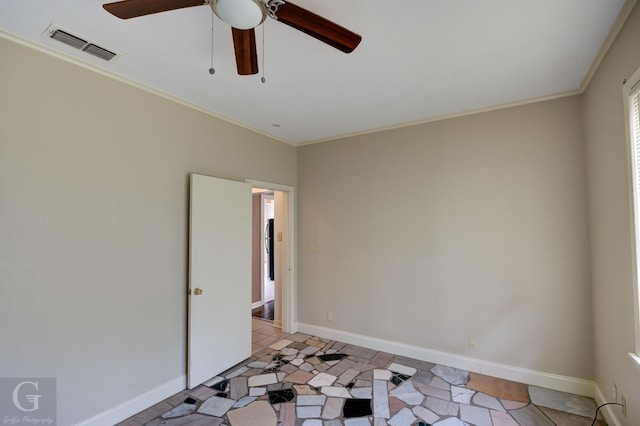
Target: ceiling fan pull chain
[(212, 70), (263, 79)]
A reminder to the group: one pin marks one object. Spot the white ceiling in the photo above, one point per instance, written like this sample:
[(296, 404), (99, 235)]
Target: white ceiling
[(419, 59)]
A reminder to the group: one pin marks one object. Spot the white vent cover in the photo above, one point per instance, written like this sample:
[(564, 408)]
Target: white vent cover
[(73, 40)]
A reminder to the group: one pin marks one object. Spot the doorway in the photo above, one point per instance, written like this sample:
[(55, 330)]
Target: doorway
[(263, 255), (282, 249)]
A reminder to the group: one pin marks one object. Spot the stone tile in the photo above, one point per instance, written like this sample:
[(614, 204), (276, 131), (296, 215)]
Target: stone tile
[(308, 412), (362, 392), (415, 363), (257, 413), (356, 408), (530, 416), (179, 398), (296, 344), (574, 404), (190, 420), (333, 408), (239, 388), (513, 405), (379, 422), (404, 418), (312, 422), (322, 379), (216, 406), (297, 362), (213, 381), (451, 421), (502, 419), (287, 414), (322, 367), (257, 391), (359, 351), (379, 374), (236, 373), (402, 369), (475, 415), (431, 391), (348, 376), (202, 392), (407, 393), (280, 344), (425, 414), (306, 367), (258, 364), (441, 407), (437, 382), (332, 423), (395, 405), (286, 351), (567, 419), (304, 390), (461, 395), (423, 377), (498, 388), (357, 422), (288, 368), (300, 377), (380, 399), (316, 343), (336, 391), (262, 379), (244, 401), (381, 359), (281, 396), (310, 350), (451, 375), (181, 410), (487, 401), (311, 400)]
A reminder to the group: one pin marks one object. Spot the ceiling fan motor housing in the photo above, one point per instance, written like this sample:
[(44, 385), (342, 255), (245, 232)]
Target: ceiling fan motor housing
[(240, 14)]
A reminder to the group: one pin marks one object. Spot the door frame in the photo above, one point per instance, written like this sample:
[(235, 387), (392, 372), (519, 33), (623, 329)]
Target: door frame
[(289, 324)]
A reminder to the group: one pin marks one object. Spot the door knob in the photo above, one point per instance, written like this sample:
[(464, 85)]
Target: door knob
[(197, 291)]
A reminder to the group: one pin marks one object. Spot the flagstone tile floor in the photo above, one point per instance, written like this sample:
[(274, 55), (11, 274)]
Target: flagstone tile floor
[(302, 380)]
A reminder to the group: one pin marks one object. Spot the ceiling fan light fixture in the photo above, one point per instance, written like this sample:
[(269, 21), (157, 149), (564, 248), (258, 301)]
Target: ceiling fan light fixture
[(240, 14)]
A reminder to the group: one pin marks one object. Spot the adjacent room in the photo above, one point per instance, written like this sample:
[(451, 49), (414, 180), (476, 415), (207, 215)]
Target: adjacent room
[(441, 218)]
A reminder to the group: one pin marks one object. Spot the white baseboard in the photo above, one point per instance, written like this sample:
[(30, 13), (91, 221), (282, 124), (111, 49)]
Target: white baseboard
[(610, 412), (507, 372), (137, 404)]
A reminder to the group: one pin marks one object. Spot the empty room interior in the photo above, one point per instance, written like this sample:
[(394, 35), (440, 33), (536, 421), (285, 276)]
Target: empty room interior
[(495, 239)]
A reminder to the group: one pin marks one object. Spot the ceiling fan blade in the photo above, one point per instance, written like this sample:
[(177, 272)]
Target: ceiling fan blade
[(244, 44), (133, 8), (318, 27)]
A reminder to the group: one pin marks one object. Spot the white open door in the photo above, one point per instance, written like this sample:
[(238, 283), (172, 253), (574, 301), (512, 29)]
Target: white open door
[(219, 334)]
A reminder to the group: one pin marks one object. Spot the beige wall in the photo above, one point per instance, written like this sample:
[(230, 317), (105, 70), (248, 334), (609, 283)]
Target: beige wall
[(93, 226), (475, 226), (609, 207)]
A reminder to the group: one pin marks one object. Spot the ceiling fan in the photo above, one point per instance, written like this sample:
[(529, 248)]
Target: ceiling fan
[(243, 16)]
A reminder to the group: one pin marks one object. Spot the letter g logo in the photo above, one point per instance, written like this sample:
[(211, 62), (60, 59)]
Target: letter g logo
[(33, 399)]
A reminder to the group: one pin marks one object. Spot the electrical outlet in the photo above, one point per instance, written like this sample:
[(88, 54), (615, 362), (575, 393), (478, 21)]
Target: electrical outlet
[(473, 342), (623, 401), (329, 316), (614, 392)]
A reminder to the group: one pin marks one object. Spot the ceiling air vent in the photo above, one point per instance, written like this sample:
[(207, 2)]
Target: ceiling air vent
[(98, 51), (70, 39), (73, 40)]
